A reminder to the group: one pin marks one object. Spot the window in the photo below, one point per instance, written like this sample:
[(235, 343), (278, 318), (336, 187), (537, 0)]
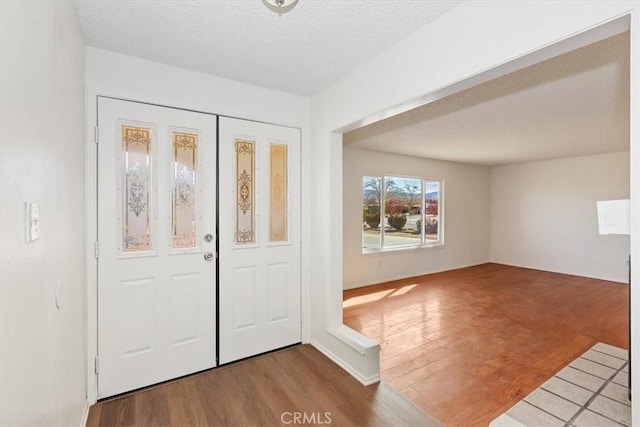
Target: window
[(400, 212)]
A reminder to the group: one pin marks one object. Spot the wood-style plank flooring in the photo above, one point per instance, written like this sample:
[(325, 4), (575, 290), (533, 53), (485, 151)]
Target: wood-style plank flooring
[(264, 391), (466, 345)]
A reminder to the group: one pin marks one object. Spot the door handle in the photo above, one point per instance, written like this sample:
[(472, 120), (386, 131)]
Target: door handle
[(208, 256)]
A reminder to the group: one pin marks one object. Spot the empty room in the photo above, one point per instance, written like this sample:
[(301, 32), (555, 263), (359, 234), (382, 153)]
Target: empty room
[(319, 212), (509, 173)]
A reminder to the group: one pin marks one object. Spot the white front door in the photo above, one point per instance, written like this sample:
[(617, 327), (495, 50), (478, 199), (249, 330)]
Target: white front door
[(259, 220), (156, 236)]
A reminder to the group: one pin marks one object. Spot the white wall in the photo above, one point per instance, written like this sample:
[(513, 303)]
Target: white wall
[(42, 369), (543, 215), (462, 45), (117, 75), (465, 208), (538, 215), (114, 74)]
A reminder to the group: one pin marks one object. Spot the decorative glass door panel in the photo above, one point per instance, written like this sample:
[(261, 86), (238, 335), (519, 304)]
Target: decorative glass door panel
[(245, 171), (184, 201), (156, 269), (259, 288), (137, 191), (278, 188)]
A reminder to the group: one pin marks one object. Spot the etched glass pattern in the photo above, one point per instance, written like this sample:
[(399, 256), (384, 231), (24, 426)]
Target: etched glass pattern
[(137, 177), (245, 194), (278, 190), (184, 203)]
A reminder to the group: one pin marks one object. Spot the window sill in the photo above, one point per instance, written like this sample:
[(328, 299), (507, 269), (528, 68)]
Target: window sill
[(403, 249)]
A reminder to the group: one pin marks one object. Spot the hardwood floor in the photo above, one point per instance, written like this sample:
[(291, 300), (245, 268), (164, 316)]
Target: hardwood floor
[(466, 345), (267, 390)]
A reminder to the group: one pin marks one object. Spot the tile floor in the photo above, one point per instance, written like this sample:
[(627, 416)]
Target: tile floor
[(590, 392)]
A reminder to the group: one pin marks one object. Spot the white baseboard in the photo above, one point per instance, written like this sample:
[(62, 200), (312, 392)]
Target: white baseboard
[(85, 414), (569, 273), (408, 276), (335, 359)]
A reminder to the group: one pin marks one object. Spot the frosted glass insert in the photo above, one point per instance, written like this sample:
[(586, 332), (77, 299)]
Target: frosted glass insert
[(184, 203), (137, 219), (278, 185), (245, 193)]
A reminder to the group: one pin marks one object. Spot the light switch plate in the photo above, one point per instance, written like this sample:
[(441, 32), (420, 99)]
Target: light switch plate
[(35, 211), (32, 221)]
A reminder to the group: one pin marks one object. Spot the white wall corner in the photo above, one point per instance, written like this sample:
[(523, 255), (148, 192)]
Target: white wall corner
[(463, 45), (570, 243)]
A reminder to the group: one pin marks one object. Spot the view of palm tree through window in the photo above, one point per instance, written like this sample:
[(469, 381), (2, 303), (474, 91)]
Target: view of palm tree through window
[(400, 212)]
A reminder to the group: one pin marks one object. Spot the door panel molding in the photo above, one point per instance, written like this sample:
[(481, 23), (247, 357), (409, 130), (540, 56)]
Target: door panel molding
[(156, 304), (260, 259)]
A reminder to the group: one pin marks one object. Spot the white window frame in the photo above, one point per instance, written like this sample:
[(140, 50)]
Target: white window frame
[(424, 243)]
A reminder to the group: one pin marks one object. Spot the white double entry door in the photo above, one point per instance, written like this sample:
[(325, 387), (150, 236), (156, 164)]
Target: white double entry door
[(198, 242)]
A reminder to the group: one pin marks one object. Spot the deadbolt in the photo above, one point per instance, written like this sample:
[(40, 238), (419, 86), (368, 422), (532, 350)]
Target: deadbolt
[(208, 237), (208, 256)]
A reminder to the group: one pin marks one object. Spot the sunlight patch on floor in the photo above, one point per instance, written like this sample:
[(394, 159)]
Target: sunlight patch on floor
[(376, 296)]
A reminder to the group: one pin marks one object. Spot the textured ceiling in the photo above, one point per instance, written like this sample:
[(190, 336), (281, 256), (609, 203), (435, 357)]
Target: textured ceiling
[(300, 52), (573, 105)]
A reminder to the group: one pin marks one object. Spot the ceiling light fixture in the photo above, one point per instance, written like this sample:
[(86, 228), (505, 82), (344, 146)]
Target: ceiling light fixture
[(280, 6)]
